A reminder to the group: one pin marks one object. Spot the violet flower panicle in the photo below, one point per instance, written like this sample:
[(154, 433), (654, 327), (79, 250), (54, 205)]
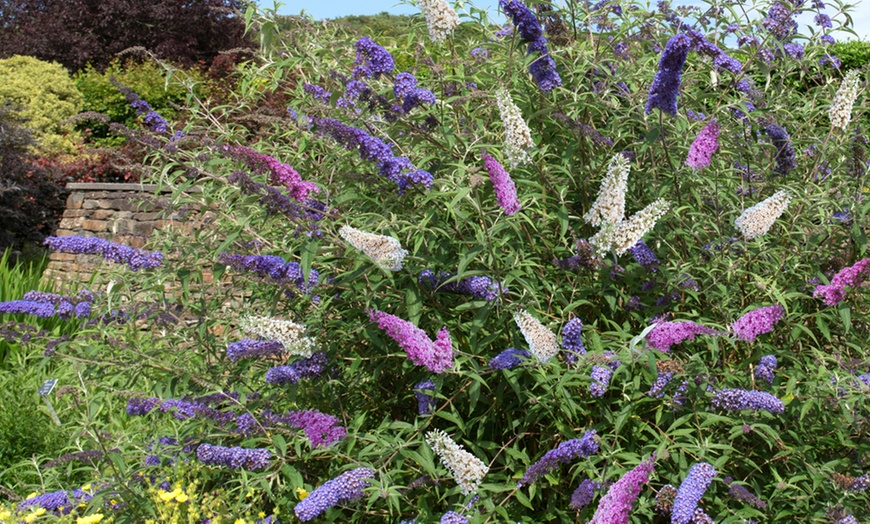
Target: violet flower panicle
[(666, 83), (617, 502), (702, 148), (850, 277), (565, 453), (690, 492), (347, 487), (758, 321), (505, 190), (436, 355)]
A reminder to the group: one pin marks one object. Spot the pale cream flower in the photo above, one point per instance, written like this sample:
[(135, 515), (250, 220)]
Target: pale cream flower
[(610, 204), (542, 342), (440, 17), (517, 135), (386, 252), (757, 220), (841, 108), (288, 333), (622, 236), (467, 469)]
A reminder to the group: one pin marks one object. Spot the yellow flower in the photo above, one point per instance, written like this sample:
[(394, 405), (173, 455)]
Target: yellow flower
[(31, 496), (301, 493), (182, 498), (29, 518), (5, 514), (90, 519), (240, 521), (39, 511), (86, 487), (261, 514)]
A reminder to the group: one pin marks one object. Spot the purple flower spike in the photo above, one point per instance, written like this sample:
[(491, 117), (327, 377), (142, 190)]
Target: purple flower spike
[(757, 322), (600, 380), (437, 356), (572, 340), (372, 60), (850, 277), (320, 428), (705, 144), (584, 494), (667, 334), (233, 458), (347, 487), (616, 504), (509, 359), (479, 287), (310, 367), (451, 517), (280, 174), (666, 84), (135, 259), (741, 399), (424, 392), (505, 190), (27, 307), (566, 453), (273, 268), (247, 348), (784, 156), (645, 256), (765, 368), (691, 490)]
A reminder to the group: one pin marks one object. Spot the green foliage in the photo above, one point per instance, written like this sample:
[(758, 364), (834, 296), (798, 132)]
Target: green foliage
[(47, 97), (194, 304), (853, 54)]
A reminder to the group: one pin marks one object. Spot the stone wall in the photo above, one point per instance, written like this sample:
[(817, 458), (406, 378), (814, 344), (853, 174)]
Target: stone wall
[(123, 213)]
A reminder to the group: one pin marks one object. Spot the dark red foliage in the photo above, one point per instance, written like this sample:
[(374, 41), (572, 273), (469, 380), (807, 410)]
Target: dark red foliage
[(77, 32), (31, 198)]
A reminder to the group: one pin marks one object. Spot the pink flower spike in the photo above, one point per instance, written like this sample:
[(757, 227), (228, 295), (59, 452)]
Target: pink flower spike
[(705, 144), (615, 506), (850, 276), (437, 356), (505, 190), (756, 322), (667, 334)]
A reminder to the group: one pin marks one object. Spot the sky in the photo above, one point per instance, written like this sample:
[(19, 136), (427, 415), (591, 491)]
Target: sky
[(335, 8)]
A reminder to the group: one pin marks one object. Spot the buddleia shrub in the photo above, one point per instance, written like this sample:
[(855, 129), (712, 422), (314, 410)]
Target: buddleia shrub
[(423, 295), (45, 96)]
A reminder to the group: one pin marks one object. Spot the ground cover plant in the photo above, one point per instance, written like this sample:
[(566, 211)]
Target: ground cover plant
[(602, 264)]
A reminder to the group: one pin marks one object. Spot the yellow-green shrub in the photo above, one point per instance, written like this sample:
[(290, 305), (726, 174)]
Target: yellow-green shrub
[(46, 96)]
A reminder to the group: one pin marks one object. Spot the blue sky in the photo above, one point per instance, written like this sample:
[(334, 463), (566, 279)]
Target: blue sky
[(336, 8)]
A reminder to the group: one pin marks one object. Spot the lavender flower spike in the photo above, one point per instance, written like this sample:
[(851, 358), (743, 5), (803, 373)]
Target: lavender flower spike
[(600, 380), (741, 399), (234, 458), (705, 144), (347, 487), (666, 84), (310, 367), (509, 359), (691, 490), (135, 259), (584, 494), (572, 340), (851, 277), (436, 355), (424, 392), (615, 505), (566, 453), (765, 368), (505, 190), (667, 334)]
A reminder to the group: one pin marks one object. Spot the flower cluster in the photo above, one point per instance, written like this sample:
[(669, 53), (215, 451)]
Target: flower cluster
[(135, 259), (424, 392), (784, 156), (509, 359), (405, 87), (543, 69), (398, 169), (851, 276), (758, 321), (436, 355), (385, 251), (347, 487), (690, 492), (645, 256), (565, 453), (584, 494), (841, 108), (321, 429), (505, 190), (440, 18), (758, 219), (478, 287), (779, 21), (288, 333), (234, 458), (600, 376), (721, 60), (666, 334), (280, 174), (702, 148), (609, 206), (275, 201), (585, 257), (666, 83), (451, 517), (152, 119), (542, 342), (272, 267), (765, 368), (372, 60), (616, 504), (249, 348), (45, 305), (467, 469), (741, 399), (310, 367), (517, 135), (739, 492)]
